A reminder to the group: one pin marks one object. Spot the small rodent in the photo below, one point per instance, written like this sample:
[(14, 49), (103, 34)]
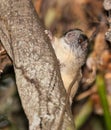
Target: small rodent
[(71, 51)]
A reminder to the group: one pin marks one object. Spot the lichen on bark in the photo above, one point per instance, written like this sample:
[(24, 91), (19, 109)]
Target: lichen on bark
[(37, 72)]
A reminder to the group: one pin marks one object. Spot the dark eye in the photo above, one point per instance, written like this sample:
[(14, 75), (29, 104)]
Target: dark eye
[(82, 38)]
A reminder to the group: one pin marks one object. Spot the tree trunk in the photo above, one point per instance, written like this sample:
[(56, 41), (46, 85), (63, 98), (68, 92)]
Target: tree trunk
[(36, 68), (107, 7)]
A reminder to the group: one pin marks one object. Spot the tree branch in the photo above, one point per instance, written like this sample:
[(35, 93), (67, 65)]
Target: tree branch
[(107, 7), (36, 68)]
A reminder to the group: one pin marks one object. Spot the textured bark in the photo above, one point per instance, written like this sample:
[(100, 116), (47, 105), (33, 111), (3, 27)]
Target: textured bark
[(37, 72), (107, 6)]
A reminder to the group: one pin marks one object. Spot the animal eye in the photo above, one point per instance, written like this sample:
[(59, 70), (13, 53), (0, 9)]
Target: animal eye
[(82, 38)]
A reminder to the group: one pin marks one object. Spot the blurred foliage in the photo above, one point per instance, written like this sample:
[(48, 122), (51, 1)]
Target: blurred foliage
[(104, 102)]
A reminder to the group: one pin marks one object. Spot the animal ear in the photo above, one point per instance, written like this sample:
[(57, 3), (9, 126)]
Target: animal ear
[(70, 36)]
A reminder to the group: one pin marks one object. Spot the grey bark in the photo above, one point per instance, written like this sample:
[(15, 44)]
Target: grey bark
[(107, 4), (37, 71), (107, 7)]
